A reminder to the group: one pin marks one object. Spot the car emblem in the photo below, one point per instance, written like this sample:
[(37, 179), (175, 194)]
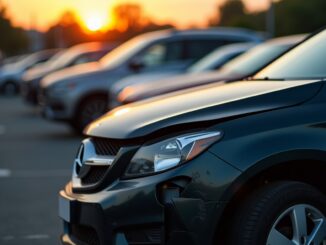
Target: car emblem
[(86, 159), (79, 157)]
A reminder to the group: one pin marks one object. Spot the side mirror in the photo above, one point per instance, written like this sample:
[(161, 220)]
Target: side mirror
[(136, 65)]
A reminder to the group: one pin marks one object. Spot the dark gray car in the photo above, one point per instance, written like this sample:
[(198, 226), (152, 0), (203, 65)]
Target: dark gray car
[(80, 95)]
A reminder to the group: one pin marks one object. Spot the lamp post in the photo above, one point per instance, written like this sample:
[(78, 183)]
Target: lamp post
[(270, 19)]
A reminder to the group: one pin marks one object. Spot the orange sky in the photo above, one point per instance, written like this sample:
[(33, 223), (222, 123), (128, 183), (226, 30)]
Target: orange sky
[(184, 13)]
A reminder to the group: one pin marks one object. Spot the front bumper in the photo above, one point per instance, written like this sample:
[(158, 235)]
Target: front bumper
[(56, 108), (176, 207), (28, 90)]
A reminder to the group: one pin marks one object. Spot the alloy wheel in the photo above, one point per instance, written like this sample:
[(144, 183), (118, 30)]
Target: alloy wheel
[(93, 110), (9, 89), (301, 224)]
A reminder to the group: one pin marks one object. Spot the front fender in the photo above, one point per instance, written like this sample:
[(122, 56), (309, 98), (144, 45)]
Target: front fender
[(263, 139)]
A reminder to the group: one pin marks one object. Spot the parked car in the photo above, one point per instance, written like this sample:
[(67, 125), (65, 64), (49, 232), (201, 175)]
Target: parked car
[(239, 164), (13, 59), (78, 54), (212, 61), (80, 95), (241, 67), (13, 69)]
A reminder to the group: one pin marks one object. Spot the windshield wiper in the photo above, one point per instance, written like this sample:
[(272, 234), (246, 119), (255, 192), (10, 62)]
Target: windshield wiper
[(266, 79)]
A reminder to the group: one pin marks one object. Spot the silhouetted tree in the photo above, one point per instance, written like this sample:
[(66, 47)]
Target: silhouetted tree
[(13, 40), (291, 16), (129, 21), (66, 32), (128, 17)]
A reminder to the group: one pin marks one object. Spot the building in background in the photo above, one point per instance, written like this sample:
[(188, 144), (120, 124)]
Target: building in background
[(36, 40)]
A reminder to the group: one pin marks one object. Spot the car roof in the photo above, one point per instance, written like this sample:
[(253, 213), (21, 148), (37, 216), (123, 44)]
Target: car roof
[(287, 40), (220, 31), (93, 46)]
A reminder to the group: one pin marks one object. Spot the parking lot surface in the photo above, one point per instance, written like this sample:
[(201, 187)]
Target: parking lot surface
[(35, 162)]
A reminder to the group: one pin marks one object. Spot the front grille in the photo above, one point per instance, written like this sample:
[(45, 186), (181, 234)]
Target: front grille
[(107, 146), (148, 236), (95, 174), (84, 234)]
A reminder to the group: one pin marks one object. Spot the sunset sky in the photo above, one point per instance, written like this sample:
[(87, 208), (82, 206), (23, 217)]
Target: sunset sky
[(40, 14)]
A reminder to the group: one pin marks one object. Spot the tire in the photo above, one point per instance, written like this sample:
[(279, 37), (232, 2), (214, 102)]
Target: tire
[(89, 110), (268, 216), (10, 89)]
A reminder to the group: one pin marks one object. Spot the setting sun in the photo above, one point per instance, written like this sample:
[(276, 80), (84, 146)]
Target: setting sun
[(94, 23)]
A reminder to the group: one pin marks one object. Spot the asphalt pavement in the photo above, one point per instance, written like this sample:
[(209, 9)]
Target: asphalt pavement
[(36, 159)]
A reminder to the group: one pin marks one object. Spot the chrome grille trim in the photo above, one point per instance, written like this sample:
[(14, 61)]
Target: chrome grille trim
[(86, 159)]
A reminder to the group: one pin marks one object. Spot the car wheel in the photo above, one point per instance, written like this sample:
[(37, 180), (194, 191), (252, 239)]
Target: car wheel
[(9, 88), (282, 213), (91, 109)]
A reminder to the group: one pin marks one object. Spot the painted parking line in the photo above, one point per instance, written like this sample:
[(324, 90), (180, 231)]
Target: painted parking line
[(41, 173), (36, 237), (7, 238), (27, 237), (5, 173), (2, 129)]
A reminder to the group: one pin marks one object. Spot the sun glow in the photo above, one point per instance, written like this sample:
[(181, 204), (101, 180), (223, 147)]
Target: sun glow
[(95, 23)]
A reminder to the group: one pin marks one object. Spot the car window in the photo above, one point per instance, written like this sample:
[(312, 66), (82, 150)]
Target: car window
[(227, 59), (126, 51), (307, 61), (197, 49), (254, 59), (213, 61), (162, 53), (31, 65), (88, 57)]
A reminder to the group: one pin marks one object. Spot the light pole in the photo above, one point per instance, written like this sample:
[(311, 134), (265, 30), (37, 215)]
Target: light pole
[(270, 19)]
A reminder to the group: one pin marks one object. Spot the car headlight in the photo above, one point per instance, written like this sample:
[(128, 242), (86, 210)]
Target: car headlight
[(167, 154)]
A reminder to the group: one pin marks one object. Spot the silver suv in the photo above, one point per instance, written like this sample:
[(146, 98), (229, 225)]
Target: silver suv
[(80, 95)]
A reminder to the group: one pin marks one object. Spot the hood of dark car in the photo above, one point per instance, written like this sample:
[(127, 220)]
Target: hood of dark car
[(157, 87), (209, 103)]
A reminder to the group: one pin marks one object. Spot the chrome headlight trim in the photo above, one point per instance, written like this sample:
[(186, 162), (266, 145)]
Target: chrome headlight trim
[(170, 153)]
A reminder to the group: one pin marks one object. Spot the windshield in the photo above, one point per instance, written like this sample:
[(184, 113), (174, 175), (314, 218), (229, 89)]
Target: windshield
[(63, 58), (254, 59), (306, 61), (209, 61), (28, 60), (125, 51)]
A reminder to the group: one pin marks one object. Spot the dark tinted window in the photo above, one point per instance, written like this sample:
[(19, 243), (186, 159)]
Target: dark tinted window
[(162, 53), (89, 57), (197, 49)]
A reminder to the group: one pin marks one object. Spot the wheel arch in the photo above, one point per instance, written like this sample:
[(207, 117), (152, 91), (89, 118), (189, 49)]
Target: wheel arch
[(10, 80), (290, 165), (88, 95)]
